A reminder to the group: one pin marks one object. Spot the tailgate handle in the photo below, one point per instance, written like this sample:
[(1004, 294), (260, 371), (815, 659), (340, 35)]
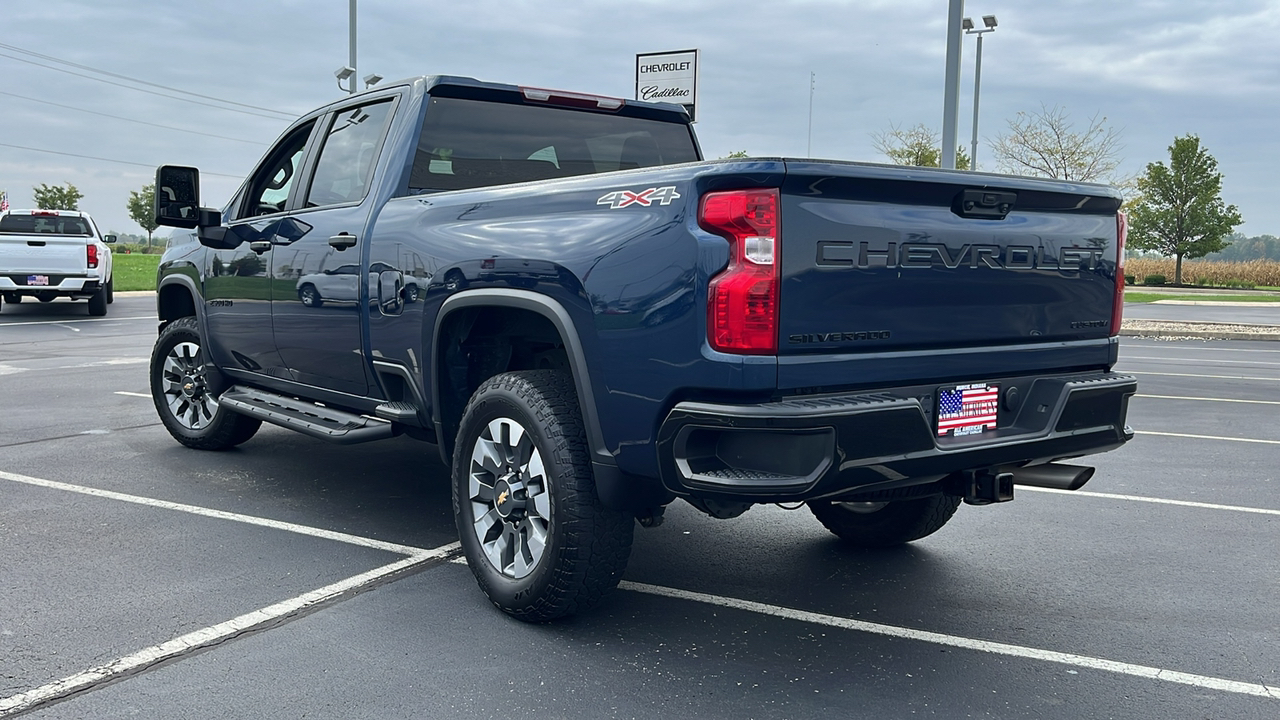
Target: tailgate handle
[(36, 243), (986, 204)]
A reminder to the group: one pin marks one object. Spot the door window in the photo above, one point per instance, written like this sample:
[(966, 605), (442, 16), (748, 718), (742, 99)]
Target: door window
[(350, 150), (269, 189)]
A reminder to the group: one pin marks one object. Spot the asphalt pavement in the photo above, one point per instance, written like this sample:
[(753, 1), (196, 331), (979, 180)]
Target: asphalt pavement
[(292, 578), (1256, 313)]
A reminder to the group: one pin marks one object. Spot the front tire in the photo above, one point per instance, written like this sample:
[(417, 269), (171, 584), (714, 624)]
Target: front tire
[(185, 389), (885, 524), (537, 538), (310, 296)]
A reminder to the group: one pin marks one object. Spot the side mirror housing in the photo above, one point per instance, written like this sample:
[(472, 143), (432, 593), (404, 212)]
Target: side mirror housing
[(177, 196), (109, 239)]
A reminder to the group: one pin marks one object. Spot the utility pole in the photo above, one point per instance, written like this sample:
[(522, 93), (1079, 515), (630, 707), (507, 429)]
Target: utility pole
[(812, 82), (951, 93)]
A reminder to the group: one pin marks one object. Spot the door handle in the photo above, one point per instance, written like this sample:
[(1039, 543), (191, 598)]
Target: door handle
[(260, 246), (342, 241)]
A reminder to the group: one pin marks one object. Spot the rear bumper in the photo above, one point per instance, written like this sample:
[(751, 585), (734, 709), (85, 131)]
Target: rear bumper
[(61, 285), (840, 445)]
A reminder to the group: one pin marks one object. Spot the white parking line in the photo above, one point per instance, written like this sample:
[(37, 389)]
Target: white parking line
[(104, 363), (217, 514), (144, 395), (1202, 360), (1206, 437), (1156, 501), (1218, 377), (1165, 397), (987, 646), (210, 636), (60, 322), (1191, 348)]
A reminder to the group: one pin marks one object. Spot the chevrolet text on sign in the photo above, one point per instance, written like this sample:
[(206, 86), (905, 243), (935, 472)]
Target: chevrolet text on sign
[(668, 77)]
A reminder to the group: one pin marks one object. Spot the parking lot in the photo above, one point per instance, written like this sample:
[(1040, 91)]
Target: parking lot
[(291, 578)]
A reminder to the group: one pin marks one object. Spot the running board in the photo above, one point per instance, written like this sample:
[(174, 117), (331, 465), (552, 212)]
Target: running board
[(308, 418)]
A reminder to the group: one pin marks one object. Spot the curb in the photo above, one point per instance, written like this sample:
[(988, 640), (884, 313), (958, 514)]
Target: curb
[(135, 293)]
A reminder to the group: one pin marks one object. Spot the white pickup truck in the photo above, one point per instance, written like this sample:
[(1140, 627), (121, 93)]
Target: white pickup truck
[(48, 254)]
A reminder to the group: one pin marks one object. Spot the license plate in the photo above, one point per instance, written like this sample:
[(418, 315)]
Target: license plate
[(967, 409), (37, 279)]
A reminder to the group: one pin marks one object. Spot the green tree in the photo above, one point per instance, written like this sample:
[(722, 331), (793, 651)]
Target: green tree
[(1046, 144), (1179, 210), (142, 209), (56, 197), (735, 154), (917, 146)]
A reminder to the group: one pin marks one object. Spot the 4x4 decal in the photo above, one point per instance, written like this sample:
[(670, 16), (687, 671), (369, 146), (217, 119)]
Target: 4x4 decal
[(622, 198)]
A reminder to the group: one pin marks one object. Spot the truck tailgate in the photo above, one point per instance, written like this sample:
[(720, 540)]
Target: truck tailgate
[(877, 259), (22, 255)]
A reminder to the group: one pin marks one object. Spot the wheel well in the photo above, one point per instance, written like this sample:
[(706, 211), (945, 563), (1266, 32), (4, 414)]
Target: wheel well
[(175, 302), (476, 343)]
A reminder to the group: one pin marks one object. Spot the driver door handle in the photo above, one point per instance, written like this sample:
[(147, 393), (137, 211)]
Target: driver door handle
[(260, 246), (342, 241)]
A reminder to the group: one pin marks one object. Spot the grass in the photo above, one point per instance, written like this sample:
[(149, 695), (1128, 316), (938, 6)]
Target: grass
[(134, 271), (1145, 297)]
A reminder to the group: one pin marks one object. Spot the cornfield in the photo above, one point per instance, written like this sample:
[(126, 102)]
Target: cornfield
[(1205, 272)]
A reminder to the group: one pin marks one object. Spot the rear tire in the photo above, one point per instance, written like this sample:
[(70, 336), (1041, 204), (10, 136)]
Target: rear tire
[(111, 291), (12, 298), (185, 389), (885, 524), (537, 538), (310, 296), (98, 303)]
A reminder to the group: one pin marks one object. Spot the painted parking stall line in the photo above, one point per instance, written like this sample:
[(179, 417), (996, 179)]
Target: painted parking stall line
[(1180, 397), (986, 646), (1206, 437), (1152, 500), (85, 320), (249, 622), (218, 514)]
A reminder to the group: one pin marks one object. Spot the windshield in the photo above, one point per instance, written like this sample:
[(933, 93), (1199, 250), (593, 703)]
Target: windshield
[(44, 224), (474, 143)]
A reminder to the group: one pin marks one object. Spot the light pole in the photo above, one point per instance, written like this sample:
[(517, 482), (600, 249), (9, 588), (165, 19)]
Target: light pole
[(951, 90), (969, 29), (348, 71)]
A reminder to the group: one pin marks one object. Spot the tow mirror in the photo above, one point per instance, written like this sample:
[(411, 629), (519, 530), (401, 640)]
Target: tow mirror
[(109, 239), (177, 196)]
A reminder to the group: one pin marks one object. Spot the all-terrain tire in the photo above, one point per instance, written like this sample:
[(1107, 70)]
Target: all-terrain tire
[(521, 443), (191, 414), (885, 524)]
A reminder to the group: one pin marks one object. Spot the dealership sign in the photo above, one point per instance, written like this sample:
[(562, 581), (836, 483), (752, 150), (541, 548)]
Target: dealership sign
[(668, 77)]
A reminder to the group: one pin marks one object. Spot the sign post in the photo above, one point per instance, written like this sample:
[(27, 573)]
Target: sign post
[(668, 77)]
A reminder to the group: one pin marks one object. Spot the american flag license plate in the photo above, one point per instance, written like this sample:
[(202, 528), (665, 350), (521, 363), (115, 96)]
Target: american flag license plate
[(967, 409), (37, 279)]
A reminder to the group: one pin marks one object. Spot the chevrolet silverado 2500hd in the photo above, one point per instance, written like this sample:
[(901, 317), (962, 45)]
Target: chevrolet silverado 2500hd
[(601, 322)]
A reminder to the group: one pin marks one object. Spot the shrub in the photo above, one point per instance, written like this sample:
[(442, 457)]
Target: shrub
[(1129, 280), (1153, 280)]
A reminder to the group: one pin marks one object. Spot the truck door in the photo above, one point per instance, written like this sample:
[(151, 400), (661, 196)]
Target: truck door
[(319, 293), (237, 286)]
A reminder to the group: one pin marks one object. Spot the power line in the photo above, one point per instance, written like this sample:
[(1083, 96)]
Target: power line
[(142, 90), (110, 160), (50, 58), (128, 119)]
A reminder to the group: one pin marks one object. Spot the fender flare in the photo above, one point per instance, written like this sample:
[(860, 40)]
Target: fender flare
[(197, 297), (553, 311)]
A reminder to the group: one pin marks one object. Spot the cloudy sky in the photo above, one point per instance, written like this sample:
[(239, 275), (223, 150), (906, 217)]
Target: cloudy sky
[(1155, 69)]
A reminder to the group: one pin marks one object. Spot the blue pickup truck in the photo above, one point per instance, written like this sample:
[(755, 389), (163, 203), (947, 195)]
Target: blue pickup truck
[(589, 321)]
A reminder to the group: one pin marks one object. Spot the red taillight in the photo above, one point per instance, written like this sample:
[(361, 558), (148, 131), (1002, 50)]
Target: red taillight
[(93, 255), (742, 302), (570, 99), (1122, 232)]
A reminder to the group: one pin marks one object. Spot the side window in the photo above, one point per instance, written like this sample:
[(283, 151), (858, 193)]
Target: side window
[(349, 153), (269, 189)]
